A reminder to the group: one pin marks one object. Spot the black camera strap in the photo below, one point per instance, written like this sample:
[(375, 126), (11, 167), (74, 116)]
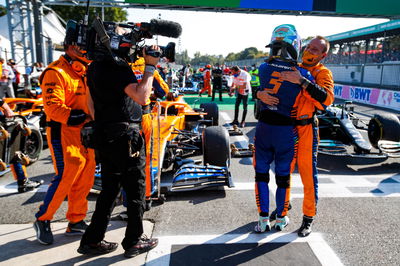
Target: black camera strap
[(105, 40)]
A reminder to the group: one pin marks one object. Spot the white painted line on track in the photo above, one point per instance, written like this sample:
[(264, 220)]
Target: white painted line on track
[(13, 188), (161, 254), (225, 116), (339, 186)]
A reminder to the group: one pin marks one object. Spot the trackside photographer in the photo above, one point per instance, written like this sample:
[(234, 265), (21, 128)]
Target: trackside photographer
[(117, 98)]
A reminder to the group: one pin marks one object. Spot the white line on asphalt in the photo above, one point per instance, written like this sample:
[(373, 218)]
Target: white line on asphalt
[(225, 116), (161, 254)]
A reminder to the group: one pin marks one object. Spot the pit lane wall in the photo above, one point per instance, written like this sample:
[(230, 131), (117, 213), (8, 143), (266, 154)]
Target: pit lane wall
[(372, 96)]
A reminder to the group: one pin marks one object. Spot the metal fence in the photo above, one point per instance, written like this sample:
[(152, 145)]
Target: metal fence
[(379, 75), (384, 75)]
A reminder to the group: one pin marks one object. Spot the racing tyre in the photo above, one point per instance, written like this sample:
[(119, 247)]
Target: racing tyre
[(383, 126), (257, 108), (212, 112), (33, 145), (216, 149)]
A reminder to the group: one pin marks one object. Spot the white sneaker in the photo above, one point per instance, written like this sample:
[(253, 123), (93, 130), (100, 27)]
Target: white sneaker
[(281, 223), (263, 225)]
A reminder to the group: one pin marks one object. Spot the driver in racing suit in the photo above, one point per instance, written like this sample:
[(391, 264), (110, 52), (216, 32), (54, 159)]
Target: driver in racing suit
[(322, 93), (276, 135)]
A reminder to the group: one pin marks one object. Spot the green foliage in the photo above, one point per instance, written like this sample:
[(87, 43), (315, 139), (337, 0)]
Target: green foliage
[(199, 59), (248, 53), (77, 13), (182, 58), (3, 11)]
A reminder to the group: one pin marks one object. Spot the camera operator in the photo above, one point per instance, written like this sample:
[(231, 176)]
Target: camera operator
[(117, 99)]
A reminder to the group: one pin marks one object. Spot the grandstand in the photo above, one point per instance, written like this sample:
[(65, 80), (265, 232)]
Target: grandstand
[(367, 57)]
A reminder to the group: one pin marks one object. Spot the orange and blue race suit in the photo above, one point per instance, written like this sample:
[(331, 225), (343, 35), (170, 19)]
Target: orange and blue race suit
[(207, 82), (318, 95), (276, 135), (160, 89), (65, 105)]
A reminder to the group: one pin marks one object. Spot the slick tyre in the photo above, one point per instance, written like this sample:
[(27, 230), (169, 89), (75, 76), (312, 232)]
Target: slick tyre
[(383, 126), (212, 112), (33, 145), (216, 148)]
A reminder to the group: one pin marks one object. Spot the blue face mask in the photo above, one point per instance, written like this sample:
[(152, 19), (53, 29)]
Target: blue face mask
[(235, 75)]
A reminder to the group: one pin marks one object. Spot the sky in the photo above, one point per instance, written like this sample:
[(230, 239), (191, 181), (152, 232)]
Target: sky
[(221, 33)]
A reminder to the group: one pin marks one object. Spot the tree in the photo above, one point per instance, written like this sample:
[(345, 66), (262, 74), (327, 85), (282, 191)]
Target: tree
[(3, 11), (231, 57), (182, 58), (77, 13)]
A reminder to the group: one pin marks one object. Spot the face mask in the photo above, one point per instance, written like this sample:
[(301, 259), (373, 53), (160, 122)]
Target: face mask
[(309, 58), (235, 75), (253, 68)]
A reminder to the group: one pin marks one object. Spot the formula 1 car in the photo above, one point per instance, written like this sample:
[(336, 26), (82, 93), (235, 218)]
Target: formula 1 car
[(180, 132), (340, 132), (191, 87)]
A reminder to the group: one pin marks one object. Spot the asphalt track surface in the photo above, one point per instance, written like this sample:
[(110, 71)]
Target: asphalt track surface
[(357, 221)]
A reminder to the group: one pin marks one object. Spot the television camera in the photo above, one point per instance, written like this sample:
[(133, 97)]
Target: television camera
[(124, 42)]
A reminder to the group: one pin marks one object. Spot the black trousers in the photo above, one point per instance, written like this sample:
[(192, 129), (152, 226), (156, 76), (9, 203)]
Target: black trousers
[(217, 86), (118, 169), (241, 98)]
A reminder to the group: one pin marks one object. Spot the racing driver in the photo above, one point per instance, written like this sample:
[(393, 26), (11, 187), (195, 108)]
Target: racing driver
[(322, 93)]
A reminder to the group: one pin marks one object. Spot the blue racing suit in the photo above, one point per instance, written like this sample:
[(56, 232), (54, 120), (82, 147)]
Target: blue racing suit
[(276, 135)]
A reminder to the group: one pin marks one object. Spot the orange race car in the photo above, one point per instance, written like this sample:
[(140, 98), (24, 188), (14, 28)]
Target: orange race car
[(180, 132), (31, 111)]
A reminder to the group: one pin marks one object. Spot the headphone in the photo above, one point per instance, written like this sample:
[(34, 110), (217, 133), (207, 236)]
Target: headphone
[(77, 66)]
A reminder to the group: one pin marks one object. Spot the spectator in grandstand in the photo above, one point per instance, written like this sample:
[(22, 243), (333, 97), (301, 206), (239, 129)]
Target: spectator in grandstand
[(322, 94)]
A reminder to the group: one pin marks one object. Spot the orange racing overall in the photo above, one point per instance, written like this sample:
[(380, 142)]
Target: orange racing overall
[(207, 82), (65, 104), (308, 134)]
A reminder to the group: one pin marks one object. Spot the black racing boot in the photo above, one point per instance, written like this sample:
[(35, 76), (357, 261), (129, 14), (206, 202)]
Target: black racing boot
[(305, 228), (28, 185)]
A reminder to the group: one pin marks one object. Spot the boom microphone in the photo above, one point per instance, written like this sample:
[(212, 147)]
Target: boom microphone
[(162, 27)]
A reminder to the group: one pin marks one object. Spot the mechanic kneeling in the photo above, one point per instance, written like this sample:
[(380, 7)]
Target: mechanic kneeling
[(117, 98)]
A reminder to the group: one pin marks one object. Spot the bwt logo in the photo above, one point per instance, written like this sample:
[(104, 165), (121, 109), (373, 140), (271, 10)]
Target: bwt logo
[(360, 94), (338, 90)]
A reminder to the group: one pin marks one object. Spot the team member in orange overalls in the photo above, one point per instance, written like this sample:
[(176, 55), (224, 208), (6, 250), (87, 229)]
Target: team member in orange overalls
[(323, 95), (65, 98), (207, 81), (160, 89)]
